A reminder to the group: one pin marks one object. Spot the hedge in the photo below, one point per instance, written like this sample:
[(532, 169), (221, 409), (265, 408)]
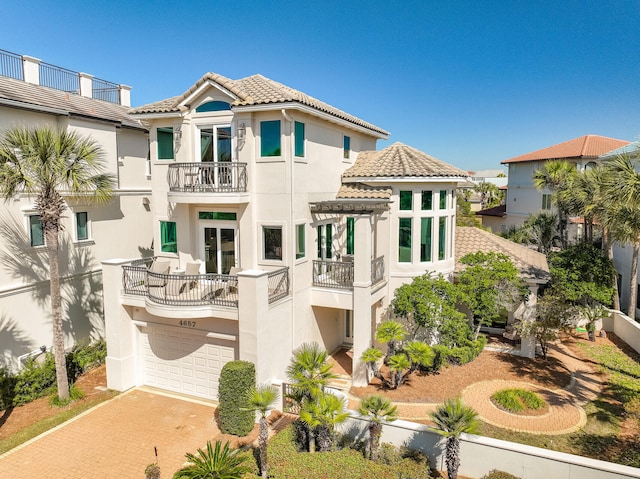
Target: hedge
[(237, 379)]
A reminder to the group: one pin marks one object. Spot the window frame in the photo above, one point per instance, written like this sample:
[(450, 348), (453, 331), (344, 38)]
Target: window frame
[(299, 139), (426, 254), (301, 245), (263, 231), (442, 201), (400, 256), (277, 153), (546, 201), (442, 238), (30, 226), (406, 194), (168, 246), (87, 226), (346, 147), (426, 195), (215, 127)]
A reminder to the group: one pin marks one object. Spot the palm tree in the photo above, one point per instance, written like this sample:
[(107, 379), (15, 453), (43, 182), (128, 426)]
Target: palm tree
[(391, 332), (397, 365), (452, 419), (541, 230), (261, 399), (489, 194), (321, 416), (218, 463), (48, 165), (310, 370), (377, 409), (370, 357)]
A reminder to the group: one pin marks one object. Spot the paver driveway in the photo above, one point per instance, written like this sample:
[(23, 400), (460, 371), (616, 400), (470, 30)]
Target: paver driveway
[(117, 439)]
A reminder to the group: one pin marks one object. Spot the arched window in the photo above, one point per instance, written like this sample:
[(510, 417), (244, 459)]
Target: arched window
[(213, 106), (590, 165)]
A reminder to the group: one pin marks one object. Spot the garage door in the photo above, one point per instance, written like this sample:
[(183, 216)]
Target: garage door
[(184, 362)]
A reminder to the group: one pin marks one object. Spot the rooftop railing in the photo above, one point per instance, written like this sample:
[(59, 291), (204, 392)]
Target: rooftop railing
[(11, 65), (105, 90), (208, 177), (59, 78)]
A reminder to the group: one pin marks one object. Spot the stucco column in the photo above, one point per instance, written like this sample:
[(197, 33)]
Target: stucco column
[(362, 336), (253, 315), (86, 85), (31, 69), (119, 329), (125, 95)]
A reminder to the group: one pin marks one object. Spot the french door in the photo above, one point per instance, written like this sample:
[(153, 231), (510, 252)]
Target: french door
[(219, 248), (215, 146)]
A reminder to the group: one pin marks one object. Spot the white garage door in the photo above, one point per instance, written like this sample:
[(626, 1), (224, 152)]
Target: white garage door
[(184, 362)]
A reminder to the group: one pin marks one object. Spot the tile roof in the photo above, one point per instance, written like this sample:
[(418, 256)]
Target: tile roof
[(400, 160), (532, 265), (38, 97), (632, 150), (588, 146), (362, 192), (256, 90), (499, 211)]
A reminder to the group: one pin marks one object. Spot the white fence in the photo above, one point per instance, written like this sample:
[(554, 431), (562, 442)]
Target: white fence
[(624, 327)]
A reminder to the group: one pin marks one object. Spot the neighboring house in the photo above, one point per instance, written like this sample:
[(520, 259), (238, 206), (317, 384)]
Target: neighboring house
[(523, 199), (33, 93), (281, 224)]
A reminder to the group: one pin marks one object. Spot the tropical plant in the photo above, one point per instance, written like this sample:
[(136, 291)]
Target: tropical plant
[(392, 333), (152, 471), (215, 463), (452, 419), (517, 400), (370, 357), (592, 314), (50, 165), (489, 194), (310, 370), (541, 230), (260, 400), (377, 409), (321, 416)]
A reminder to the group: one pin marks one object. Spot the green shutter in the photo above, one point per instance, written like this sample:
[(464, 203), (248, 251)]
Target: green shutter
[(299, 136), (300, 243), (165, 143), (351, 223), (168, 237), (328, 241)]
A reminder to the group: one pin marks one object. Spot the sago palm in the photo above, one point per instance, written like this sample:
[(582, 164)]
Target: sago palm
[(50, 165), (377, 409), (215, 463), (261, 399), (452, 419)]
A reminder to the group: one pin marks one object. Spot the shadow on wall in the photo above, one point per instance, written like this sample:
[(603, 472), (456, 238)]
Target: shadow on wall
[(14, 342), (81, 288)]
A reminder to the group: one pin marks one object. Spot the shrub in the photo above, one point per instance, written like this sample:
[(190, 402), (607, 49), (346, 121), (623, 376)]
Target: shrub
[(90, 356), (7, 386), (517, 400), (237, 379), (445, 356), (35, 380), (495, 474), (152, 471), (74, 395)]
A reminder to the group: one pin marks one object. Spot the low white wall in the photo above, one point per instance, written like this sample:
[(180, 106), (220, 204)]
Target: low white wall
[(479, 455), (624, 327)]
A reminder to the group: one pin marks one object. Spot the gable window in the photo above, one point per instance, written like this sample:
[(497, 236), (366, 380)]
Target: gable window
[(442, 237), (427, 200), (213, 106), (165, 143), (168, 237), (300, 245), (443, 199), (272, 242), (404, 240), (270, 138), (299, 137), (350, 234), (346, 147), (426, 225), (546, 201), (406, 200), (36, 232), (82, 226)]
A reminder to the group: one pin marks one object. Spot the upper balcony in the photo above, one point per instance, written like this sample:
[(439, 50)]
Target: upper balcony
[(208, 182)]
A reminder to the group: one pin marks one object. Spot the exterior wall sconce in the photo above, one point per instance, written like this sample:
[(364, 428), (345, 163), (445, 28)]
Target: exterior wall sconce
[(241, 131), (145, 201)]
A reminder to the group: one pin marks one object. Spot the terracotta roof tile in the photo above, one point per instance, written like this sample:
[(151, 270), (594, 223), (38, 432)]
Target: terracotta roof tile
[(360, 191), (588, 146), (471, 240), (400, 160), (499, 210)]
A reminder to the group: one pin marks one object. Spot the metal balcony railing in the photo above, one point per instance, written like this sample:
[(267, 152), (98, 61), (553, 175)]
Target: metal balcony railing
[(105, 90), (11, 65), (377, 270), (278, 284), (59, 78), (339, 274), (208, 177)]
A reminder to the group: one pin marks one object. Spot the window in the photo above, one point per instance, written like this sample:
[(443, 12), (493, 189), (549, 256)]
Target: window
[(404, 241), (213, 106), (325, 241), (82, 228), (168, 237), (546, 201), (351, 224), (270, 138), (406, 200), (426, 225), (165, 143), (443, 199), (216, 215), (272, 236), (35, 231), (215, 143), (300, 246), (442, 237), (299, 137), (346, 146), (427, 200)]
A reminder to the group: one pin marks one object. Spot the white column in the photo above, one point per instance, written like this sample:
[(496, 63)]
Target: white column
[(86, 85), (125, 95), (362, 335), (31, 69)]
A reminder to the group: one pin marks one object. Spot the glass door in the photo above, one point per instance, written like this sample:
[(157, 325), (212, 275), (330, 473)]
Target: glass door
[(215, 147), (219, 249)]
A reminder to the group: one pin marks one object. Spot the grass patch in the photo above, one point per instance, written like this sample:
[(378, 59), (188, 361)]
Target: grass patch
[(74, 395), (517, 400), (44, 425)]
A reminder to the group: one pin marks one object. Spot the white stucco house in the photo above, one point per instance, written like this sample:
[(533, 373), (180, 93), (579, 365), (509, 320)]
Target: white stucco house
[(34, 93), (276, 222)]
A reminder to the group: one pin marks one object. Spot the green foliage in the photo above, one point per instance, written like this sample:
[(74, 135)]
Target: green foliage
[(396, 456), (152, 471), (75, 394), (496, 474), (581, 274), (321, 416), (237, 380), (452, 418), (517, 400), (90, 356), (309, 370), (35, 380), (445, 356), (215, 463)]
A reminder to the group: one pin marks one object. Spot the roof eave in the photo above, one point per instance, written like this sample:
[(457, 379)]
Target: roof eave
[(402, 179), (157, 115)]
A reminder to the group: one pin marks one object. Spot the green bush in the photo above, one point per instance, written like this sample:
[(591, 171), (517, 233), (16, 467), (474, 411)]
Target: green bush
[(517, 400), (7, 386), (495, 474), (237, 379), (75, 394), (445, 356), (89, 356), (35, 380)]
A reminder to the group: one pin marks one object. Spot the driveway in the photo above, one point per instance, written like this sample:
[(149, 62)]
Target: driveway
[(116, 439)]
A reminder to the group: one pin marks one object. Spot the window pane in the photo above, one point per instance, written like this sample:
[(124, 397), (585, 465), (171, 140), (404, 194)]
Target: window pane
[(300, 245), (320, 241), (404, 242), (425, 239), (406, 200), (443, 199), (35, 228), (224, 143), (270, 138), (347, 147), (82, 232), (216, 215), (272, 242), (299, 135), (427, 200), (350, 234), (328, 238), (213, 106), (168, 237), (206, 144), (165, 143), (442, 235)]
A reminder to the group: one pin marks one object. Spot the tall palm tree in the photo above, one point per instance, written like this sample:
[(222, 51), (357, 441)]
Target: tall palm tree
[(261, 399), (377, 409), (541, 230), (489, 193), (49, 165), (215, 463), (452, 419), (322, 416)]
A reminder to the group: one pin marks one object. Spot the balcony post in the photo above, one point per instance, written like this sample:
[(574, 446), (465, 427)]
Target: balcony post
[(362, 327), (31, 69), (86, 85)]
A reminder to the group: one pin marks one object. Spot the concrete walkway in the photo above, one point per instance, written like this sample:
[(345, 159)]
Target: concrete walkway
[(116, 439)]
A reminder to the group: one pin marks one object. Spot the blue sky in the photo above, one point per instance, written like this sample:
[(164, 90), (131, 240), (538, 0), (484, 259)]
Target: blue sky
[(472, 83)]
